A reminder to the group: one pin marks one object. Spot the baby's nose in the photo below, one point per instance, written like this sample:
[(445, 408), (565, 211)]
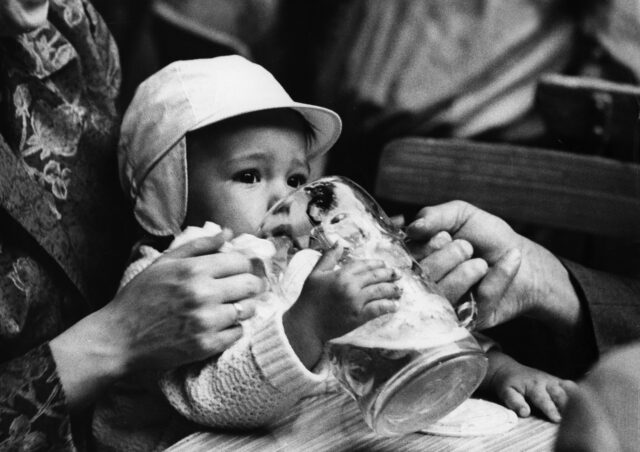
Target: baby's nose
[(277, 192)]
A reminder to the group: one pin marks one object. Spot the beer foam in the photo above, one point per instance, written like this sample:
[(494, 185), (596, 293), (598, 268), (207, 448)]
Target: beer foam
[(403, 331)]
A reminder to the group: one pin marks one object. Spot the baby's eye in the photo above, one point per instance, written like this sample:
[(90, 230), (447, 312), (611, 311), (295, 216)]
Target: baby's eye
[(297, 180), (247, 177)]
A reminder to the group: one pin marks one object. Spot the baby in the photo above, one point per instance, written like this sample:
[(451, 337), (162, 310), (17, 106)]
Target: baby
[(220, 140)]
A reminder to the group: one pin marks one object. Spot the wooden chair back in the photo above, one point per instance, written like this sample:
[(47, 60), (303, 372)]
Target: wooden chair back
[(558, 189)]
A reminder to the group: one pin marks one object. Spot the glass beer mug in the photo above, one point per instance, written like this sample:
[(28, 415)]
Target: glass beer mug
[(405, 369)]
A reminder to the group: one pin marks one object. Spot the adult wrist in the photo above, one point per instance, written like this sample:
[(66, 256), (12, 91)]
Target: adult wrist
[(554, 298), (86, 361)]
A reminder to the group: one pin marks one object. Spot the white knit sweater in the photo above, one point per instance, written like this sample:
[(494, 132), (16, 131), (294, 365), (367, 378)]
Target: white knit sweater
[(252, 383)]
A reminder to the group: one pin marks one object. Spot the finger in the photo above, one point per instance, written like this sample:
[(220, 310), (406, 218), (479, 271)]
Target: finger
[(232, 288), (558, 395), (243, 309), (397, 221), (516, 402), (378, 275), (376, 308), (221, 317), (461, 279), (570, 387), (438, 241), (222, 265), (561, 396), (491, 290), (449, 217), (442, 261), (217, 342), (419, 249), (363, 266), (380, 291), (200, 246), (330, 258), (541, 399)]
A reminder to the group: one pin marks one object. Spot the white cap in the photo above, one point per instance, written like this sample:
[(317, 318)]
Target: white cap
[(185, 96)]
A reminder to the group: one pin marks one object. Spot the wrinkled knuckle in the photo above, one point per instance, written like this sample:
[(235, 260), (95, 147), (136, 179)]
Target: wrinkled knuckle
[(463, 249), (438, 241), (185, 272), (345, 277), (197, 323), (388, 274), (195, 294), (344, 285), (376, 310), (462, 205), (484, 293), (473, 269), (443, 236), (202, 343), (256, 286), (350, 291), (229, 338)]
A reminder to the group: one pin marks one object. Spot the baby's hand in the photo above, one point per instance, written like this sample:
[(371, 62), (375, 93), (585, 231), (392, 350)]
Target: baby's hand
[(340, 299), (335, 301), (515, 385)]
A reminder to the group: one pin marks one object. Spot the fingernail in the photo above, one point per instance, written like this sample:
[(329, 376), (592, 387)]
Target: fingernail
[(439, 240), (467, 248)]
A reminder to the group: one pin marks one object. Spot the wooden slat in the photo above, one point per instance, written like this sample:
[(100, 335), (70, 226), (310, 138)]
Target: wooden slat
[(332, 422), (551, 188)]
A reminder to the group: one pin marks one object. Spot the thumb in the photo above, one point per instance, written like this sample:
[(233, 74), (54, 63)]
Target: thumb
[(330, 258), (493, 307), (200, 246)]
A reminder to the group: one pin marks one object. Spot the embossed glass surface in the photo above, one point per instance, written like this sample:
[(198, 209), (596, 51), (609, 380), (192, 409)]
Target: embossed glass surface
[(406, 369)]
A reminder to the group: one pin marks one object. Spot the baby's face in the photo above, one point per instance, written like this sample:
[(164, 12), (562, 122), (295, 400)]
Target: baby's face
[(239, 168)]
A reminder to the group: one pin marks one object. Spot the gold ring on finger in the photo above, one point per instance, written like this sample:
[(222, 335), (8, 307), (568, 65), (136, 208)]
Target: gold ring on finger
[(239, 312)]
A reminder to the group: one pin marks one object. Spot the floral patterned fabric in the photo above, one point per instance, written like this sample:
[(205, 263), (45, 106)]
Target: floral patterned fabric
[(63, 231)]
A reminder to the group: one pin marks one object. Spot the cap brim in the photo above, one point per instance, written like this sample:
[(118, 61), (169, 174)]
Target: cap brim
[(326, 124)]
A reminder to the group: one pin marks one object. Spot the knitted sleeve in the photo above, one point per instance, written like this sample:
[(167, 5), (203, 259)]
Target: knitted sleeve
[(255, 380), (251, 384)]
